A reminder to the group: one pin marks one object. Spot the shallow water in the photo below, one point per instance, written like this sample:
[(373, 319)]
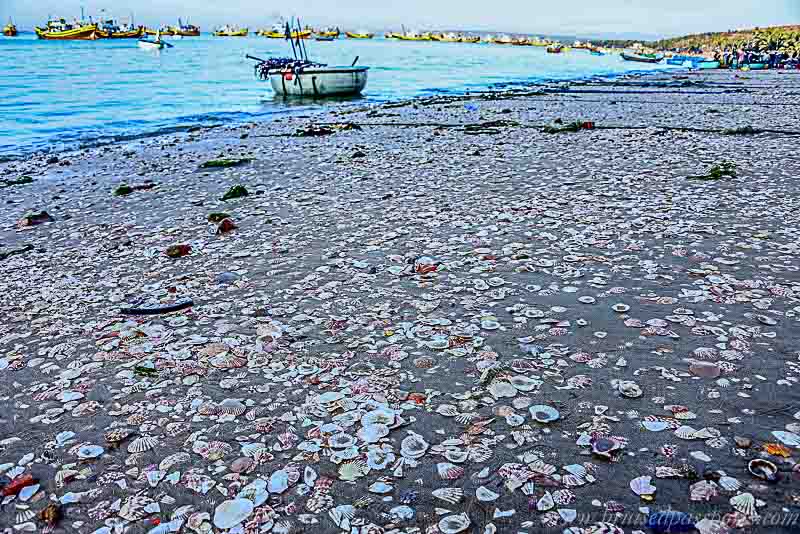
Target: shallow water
[(58, 95)]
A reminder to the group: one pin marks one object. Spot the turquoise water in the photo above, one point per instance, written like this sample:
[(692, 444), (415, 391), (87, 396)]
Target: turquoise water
[(56, 95)]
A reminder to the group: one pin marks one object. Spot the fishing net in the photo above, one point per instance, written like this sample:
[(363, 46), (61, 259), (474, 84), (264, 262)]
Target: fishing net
[(263, 68)]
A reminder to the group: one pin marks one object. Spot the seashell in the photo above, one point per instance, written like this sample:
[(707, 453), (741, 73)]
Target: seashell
[(424, 362), (524, 383), (620, 307), (341, 441), (380, 487), (438, 343), (703, 491), (278, 481), (514, 420), (685, 432), (484, 494), (563, 497), (449, 471), (655, 426), (729, 483), (544, 414), (173, 460), (456, 456), (572, 481), (24, 514), (142, 444), (232, 512), (373, 433), (351, 471), (500, 389), (629, 389), (643, 487), (763, 469), (89, 451), (539, 466), (545, 502), (454, 524), (449, 495), (787, 438), (342, 515), (587, 300), (231, 407), (744, 503), (605, 447), (413, 446), (227, 360), (448, 410), (528, 488)]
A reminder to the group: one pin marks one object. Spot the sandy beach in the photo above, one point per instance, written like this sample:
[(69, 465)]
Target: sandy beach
[(437, 318)]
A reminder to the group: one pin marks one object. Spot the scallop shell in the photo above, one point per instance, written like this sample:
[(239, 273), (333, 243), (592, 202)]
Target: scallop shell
[(703, 491), (24, 514), (89, 451), (174, 459), (413, 446), (142, 444), (373, 433), (342, 515), (629, 389), (484, 494), (500, 389), (642, 486), (744, 503), (572, 481), (449, 471), (729, 483), (227, 361), (563, 497), (541, 467), (456, 456), (232, 512), (686, 432), (524, 383), (354, 470), (542, 413), (528, 488), (449, 495), (545, 502), (620, 307), (231, 407), (380, 488), (454, 524), (341, 441), (424, 362), (448, 410)]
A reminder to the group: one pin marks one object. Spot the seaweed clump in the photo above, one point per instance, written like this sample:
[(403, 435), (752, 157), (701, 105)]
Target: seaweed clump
[(237, 191), (224, 163), (726, 169)]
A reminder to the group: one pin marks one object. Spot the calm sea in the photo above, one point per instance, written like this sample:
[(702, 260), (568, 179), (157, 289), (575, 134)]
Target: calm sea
[(57, 95)]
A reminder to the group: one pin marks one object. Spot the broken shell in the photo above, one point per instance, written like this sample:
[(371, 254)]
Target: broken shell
[(450, 495), (643, 487), (454, 524), (542, 413), (763, 469), (484, 494), (232, 512)]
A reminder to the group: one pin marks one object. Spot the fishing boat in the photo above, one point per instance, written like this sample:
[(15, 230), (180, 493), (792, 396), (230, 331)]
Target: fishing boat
[(555, 49), (392, 35), (578, 45), (164, 31), (502, 40), (153, 44), (61, 30), (707, 65), (471, 39), (413, 36), (231, 31), (110, 29), (185, 30), (359, 35), (279, 32), (10, 30), (642, 57), (449, 37), (596, 52), (322, 39), (755, 66), (329, 32)]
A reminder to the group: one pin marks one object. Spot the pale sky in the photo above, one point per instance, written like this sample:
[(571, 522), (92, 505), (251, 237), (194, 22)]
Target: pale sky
[(582, 17)]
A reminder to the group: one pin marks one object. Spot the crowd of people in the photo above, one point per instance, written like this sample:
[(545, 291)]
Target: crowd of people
[(734, 58)]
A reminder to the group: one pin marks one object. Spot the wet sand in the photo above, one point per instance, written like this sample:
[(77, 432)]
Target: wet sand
[(439, 270)]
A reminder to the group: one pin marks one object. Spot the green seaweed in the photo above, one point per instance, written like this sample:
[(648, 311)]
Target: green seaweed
[(744, 130), (224, 163), (22, 180), (726, 169), (572, 127), (122, 190), (237, 191), (217, 216)]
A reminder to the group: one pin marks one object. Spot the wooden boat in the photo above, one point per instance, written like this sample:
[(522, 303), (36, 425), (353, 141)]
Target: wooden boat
[(413, 36), (756, 66), (596, 52), (471, 40), (109, 29), (281, 34), (319, 81), (10, 30), (392, 35), (230, 31), (707, 65), (329, 32), (359, 35), (447, 38), (60, 30), (555, 49), (153, 44), (642, 58), (324, 39), (164, 31)]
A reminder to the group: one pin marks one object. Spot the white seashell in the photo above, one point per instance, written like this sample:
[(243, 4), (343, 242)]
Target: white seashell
[(545, 503), (729, 483), (655, 426), (413, 446), (744, 503), (686, 432), (642, 486), (484, 494), (232, 512), (787, 438), (341, 441), (380, 488), (629, 389), (450, 495), (500, 389), (353, 470), (24, 514), (620, 307), (456, 456), (342, 515), (454, 524), (587, 300), (142, 444), (256, 491), (174, 459), (449, 471), (447, 410), (524, 383), (373, 433), (514, 420), (528, 488), (309, 476)]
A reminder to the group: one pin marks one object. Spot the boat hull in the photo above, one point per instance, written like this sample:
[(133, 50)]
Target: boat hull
[(135, 34), (10, 31), (708, 65), (320, 82), (242, 33), (641, 59), (150, 45), (351, 35), (84, 33)]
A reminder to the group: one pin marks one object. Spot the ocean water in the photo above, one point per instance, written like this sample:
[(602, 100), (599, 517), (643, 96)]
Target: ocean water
[(58, 95)]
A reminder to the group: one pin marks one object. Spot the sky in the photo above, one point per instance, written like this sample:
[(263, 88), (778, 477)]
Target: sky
[(568, 17)]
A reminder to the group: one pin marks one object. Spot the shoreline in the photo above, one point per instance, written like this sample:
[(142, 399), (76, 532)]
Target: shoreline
[(412, 279)]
